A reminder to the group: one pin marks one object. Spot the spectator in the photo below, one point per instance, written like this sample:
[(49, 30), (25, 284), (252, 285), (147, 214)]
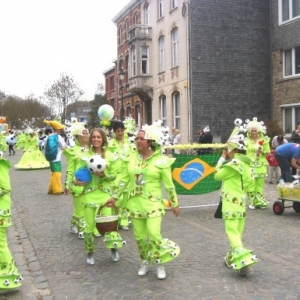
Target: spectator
[(173, 134), (177, 140), (287, 155), (273, 166), (278, 140), (295, 137), (205, 138)]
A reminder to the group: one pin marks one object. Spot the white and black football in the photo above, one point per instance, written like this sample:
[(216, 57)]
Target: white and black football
[(96, 163)]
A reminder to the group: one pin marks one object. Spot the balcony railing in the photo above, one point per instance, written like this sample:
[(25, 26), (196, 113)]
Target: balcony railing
[(142, 32)]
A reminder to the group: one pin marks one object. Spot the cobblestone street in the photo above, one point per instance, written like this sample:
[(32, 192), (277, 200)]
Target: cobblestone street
[(53, 261)]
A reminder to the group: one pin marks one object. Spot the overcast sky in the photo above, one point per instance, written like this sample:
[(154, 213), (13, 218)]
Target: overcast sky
[(41, 39)]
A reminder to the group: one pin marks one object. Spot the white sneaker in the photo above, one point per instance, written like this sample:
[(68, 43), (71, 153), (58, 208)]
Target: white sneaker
[(74, 229), (90, 259), (161, 273), (81, 235), (143, 269), (251, 207), (125, 228), (97, 234), (115, 255), (245, 270)]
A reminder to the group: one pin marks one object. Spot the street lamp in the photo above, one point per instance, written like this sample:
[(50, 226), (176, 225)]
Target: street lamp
[(121, 76)]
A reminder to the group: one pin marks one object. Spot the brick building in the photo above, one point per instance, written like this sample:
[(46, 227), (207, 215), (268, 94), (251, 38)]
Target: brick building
[(194, 63)]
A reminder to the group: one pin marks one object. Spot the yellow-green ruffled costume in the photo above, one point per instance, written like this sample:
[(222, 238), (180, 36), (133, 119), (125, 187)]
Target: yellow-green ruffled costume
[(142, 180), (237, 179), (120, 151), (72, 155), (32, 157), (10, 279), (95, 194), (259, 163)]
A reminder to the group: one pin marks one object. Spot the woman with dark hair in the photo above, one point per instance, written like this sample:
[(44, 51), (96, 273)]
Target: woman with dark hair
[(96, 193), (119, 145), (233, 169), (142, 176)]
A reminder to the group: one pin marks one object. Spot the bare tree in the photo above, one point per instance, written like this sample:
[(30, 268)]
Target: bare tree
[(62, 92)]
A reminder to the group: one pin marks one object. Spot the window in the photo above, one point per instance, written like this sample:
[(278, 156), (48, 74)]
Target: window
[(288, 10), (161, 43), (174, 3), (163, 109), (176, 109), (160, 8), (120, 35), (127, 29), (291, 116), (133, 61), (291, 62), (146, 14), (136, 18), (175, 47), (121, 64), (145, 60), (112, 82)]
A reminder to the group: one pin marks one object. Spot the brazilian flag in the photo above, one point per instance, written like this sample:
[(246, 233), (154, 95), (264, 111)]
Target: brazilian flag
[(193, 175)]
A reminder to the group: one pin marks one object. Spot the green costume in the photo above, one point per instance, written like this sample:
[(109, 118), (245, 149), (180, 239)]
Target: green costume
[(10, 279), (3, 145), (32, 157), (237, 179), (95, 194), (72, 155), (259, 164), (145, 206), (21, 141), (120, 151)]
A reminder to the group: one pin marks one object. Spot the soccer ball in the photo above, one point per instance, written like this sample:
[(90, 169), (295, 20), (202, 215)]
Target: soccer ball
[(96, 164)]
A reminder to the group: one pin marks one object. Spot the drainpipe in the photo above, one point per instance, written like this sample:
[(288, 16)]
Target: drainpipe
[(186, 12)]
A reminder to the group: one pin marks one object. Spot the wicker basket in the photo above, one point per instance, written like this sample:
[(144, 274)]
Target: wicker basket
[(107, 224)]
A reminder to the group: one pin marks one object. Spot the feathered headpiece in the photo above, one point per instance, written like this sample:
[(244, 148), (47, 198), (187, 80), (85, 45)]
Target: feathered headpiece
[(236, 137)]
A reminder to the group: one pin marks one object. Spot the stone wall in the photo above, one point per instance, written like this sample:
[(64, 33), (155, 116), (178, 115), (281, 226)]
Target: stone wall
[(230, 60)]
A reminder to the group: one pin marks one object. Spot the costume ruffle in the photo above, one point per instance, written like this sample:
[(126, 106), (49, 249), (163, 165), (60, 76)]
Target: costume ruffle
[(10, 279), (240, 257), (158, 252), (258, 199), (113, 240), (32, 159)]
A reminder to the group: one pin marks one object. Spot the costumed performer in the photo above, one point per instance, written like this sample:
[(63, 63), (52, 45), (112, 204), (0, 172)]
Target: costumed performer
[(32, 157), (234, 169), (81, 146), (258, 147), (147, 168), (120, 146), (10, 279), (97, 193), (55, 186)]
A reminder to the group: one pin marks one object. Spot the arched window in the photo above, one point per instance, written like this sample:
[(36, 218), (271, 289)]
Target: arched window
[(145, 59), (120, 35), (176, 109), (136, 18), (161, 53), (160, 8), (133, 61), (175, 60), (127, 29), (147, 14), (163, 109)]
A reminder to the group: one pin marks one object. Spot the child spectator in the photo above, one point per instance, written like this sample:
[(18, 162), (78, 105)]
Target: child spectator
[(273, 166)]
